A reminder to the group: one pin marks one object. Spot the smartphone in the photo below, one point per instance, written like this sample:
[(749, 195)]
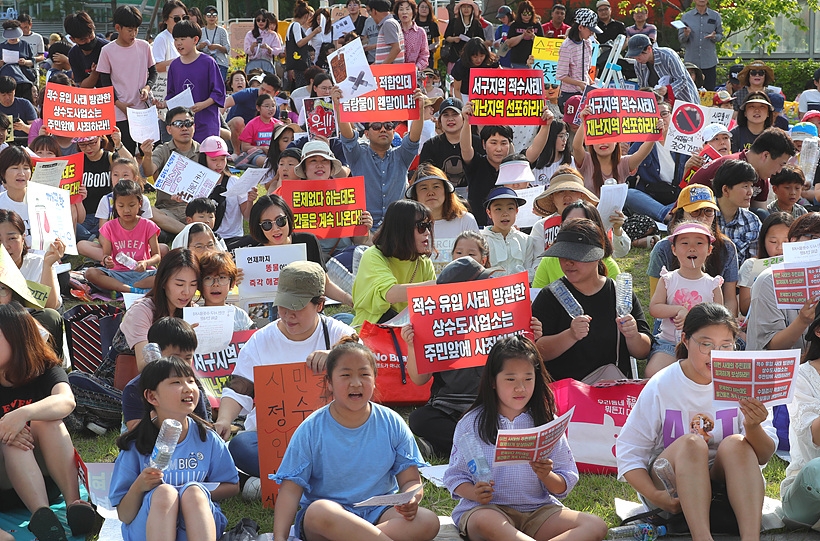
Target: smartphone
[(283, 115), (258, 40)]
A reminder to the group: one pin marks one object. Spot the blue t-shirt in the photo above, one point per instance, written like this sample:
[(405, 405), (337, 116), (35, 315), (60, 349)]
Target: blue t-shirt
[(21, 109), (81, 63), (245, 105)]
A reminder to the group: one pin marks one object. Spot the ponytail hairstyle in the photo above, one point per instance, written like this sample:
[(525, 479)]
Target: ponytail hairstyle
[(704, 315), (347, 344), (126, 188)]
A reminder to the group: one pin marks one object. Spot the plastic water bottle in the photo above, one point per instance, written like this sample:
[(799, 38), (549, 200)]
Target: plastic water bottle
[(639, 532), (623, 294), (126, 261), (339, 275), (357, 257), (476, 462), (166, 444), (151, 352), (564, 296), (665, 472), (610, 182)]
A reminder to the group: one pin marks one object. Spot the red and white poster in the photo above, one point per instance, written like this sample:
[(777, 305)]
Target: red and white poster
[(320, 118), (506, 97), (621, 115), (795, 283), (456, 325), (767, 376), (530, 444), (707, 154), (215, 369), (391, 101), (329, 209), (72, 174), (78, 112)]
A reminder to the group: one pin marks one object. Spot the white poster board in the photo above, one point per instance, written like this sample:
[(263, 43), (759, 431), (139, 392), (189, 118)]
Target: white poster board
[(262, 266), (186, 178), (49, 214), (350, 70), (214, 326), (686, 125)]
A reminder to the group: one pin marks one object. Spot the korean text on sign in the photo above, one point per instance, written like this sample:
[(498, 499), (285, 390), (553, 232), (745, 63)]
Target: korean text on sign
[(214, 369), (621, 115), (511, 97), (456, 325), (76, 112), (767, 376), (72, 174), (262, 266), (327, 208), (391, 101)]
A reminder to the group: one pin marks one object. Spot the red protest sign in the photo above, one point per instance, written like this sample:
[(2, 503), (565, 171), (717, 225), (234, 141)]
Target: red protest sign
[(511, 97), (621, 115), (215, 369), (72, 174), (330, 209), (456, 325), (767, 376), (707, 154), (78, 112), (391, 101), (795, 283), (320, 118), (285, 394)]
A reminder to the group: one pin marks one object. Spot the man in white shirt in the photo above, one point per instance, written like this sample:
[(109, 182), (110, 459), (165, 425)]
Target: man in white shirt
[(810, 99)]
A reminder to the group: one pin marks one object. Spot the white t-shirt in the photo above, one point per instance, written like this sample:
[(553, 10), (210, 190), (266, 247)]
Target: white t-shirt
[(808, 97), (8, 203), (104, 209), (231, 225), (544, 174), (163, 48)]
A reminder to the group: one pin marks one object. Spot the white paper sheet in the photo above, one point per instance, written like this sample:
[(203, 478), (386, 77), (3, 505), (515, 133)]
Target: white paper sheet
[(526, 217), (143, 124), (613, 197), (342, 27), (183, 99), (802, 252), (11, 57), (388, 499), (49, 173), (214, 328), (250, 178), (680, 25), (130, 298)]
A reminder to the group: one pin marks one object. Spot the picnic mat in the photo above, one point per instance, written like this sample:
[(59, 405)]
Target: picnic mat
[(772, 512), (15, 521)]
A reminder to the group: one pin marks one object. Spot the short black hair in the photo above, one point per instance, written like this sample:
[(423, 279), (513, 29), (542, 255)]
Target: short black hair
[(79, 25), (382, 6), (128, 17), (187, 29), (262, 204), (790, 174), (24, 18), (7, 84), (731, 173), (774, 141), (558, 6), (396, 236), (271, 79), (181, 110), (173, 331), (489, 131), (200, 205)]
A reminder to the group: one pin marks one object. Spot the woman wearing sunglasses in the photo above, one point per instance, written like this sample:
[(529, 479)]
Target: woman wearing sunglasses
[(755, 77), (163, 47), (263, 44), (399, 257), (215, 41)]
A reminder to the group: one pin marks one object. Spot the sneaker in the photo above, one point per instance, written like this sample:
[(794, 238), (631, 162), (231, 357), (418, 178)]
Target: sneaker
[(45, 525), (252, 491), (426, 448)]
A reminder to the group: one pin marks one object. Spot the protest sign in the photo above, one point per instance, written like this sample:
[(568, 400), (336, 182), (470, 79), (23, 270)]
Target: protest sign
[(262, 266), (707, 98), (50, 173), (760, 265), (802, 252), (391, 101), (320, 118), (213, 326), (241, 185), (186, 178), (510, 96), (707, 154), (767, 376), (10, 129), (545, 53), (214, 368), (351, 72), (526, 217), (792, 111), (342, 27), (285, 395), (329, 209), (522, 446), (686, 126), (456, 325), (551, 228), (49, 214), (72, 178), (621, 115), (795, 283), (78, 112), (143, 124)]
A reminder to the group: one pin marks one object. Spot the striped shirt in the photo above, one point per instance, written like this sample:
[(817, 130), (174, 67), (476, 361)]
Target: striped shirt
[(574, 59), (389, 33)]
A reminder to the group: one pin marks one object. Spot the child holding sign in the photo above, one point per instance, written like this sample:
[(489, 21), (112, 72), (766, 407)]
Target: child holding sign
[(351, 438), (675, 418), (521, 501), (681, 289)]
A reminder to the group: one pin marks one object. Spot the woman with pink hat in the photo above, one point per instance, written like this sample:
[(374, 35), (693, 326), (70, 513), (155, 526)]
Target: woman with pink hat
[(465, 23)]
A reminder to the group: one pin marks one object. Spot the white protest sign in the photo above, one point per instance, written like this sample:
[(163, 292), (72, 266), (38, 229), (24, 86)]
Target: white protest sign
[(687, 123), (214, 329), (795, 284), (49, 214), (350, 70), (342, 27), (11, 57), (526, 217), (186, 177), (240, 186), (613, 197), (49, 173), (183, 99), (802, 252), (443, 253), (262, 266), (143, 124)]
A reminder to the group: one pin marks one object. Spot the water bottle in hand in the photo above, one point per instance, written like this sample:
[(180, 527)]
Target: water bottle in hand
[(665, 472), (564, 296), (166, 444), (623, 294), (151, 352), (126, 261), (476, 462)]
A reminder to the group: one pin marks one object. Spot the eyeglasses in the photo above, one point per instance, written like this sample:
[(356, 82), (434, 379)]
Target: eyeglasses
[(757, 72), (424, 225), (553, 87), (222, 280), (707, 347), (202, 247), (564, 135), (177, 18), (377, 126), (262, 20), (665, 113), (267, 225), (88, 143), (702, 212), (182, 123)]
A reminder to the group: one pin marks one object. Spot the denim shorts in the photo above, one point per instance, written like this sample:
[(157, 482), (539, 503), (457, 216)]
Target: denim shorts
[(128, 278), (662, 346)]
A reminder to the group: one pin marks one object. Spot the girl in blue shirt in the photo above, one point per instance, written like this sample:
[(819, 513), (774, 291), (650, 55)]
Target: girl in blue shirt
[(175, 503)]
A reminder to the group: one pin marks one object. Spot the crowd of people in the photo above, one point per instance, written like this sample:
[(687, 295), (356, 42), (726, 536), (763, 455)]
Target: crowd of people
[(442, 207)]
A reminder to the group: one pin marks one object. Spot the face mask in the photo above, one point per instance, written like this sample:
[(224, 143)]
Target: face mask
[(89, 46)]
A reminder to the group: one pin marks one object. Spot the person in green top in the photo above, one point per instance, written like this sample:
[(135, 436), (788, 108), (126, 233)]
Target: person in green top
[(399, 257)]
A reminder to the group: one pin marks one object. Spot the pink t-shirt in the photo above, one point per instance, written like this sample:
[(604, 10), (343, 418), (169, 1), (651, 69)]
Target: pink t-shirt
[(258, 133), (687, 293), (132, 74), (137, 320), (588, 168), (133, 243)]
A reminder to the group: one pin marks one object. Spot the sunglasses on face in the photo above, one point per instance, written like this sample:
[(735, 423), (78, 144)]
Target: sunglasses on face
[(526, 13), (177, 18), (182, 123), (261, 20), (553, 87), (377, 126), (424, 225), (267, 225), (757, 73), (211, 14)]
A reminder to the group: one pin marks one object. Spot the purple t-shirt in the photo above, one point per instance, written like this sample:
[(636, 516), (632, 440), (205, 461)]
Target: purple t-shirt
[(204, 79)]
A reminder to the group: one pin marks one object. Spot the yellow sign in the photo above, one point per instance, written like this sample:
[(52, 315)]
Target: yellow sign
[(707, 98), (546, 48), (790, 109)]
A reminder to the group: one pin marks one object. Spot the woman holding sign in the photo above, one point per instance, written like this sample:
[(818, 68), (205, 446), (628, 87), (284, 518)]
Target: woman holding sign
[(521, 35), (710, 446)]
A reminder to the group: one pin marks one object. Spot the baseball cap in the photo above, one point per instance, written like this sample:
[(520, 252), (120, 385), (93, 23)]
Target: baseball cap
[(503, 11), (695, 197), (721, 97), (810, 115), (214, 146), (692, 227), (802, 131), (601, 3), (587, 17), (734, 71), (575, 246), (502, 192), (637, 44), (463, 269), (257, 79), (778, 101), (299, 282), (713, 130), (571, 109), (451, 103)]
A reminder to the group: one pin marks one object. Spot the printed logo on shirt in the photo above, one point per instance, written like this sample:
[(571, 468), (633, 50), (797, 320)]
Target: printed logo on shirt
[(188, 84), (264, 136), (713, 428), (97, 180)]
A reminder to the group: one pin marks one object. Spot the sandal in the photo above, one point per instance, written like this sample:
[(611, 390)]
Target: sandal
[(45, 525), (82, 517)]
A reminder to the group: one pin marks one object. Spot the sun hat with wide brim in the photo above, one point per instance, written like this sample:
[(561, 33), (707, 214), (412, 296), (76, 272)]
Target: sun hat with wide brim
[(317, 148), (743, 76), (476, 7), (575, 246), (13, 33), (409, 193), (565, 182), (757, 97)]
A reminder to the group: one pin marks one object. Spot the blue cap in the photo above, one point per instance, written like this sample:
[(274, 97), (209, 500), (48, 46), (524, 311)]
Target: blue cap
[(503, 192), (778, 101), (637, 44)]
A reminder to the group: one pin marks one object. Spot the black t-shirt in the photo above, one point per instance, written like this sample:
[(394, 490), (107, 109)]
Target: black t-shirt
[(611, 30), (455, 28), (601, 344), (461, 73), (742, 138), (430, 28), (481, 178), (521, 52), (81, 62), (97, 180), (12, 398), (359, 24), (447, 157)]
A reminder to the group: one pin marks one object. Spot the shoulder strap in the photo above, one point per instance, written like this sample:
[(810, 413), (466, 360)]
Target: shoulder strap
[(324, 330), (398, 354)]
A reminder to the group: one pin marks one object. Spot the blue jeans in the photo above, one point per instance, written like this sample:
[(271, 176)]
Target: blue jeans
[(224, 71), (244, 448), (89, 229), (639, 202)]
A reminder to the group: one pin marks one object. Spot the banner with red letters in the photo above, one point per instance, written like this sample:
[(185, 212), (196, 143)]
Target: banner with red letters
[(329, 209), (391, 101), (506, 97), (78, 112), (621, 115)]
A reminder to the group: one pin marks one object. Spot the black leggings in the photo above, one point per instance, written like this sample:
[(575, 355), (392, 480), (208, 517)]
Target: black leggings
[(435, 426)]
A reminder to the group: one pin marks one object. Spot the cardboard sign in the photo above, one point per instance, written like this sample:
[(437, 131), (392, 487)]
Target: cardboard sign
[(510, 96), (329, 209), (72, 174), (285, 395), (767, 376), (391, 101), (78, 112), (351, 72), (686, 126), (262, 266), (456, 325), (530, 444), (707, 154), (549, 69), (621, 115), (794, 284), (49, 214), (320, 118), (186, 178), (214, 369)]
